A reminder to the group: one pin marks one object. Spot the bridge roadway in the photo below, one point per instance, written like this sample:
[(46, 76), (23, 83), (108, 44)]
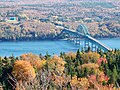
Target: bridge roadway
[(88, 37), (99, 43)]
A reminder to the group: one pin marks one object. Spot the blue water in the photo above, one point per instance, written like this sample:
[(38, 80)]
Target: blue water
[(52, 47), (36, 47), (112, 43)]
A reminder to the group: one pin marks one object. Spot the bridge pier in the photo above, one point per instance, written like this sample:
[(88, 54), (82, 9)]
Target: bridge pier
[(71, 39), (77, 41), (94, 47), (86, 44), (99, 48), (74, 40)]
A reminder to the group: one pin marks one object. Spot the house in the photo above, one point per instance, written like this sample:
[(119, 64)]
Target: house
[(12, 19)]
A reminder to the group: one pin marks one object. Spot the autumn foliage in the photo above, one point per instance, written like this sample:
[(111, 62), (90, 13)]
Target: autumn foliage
[(90, 57), (23, 70), (56, 64), (101, 60), (79, 83), (34, 60), (70, 71), (70, 56)]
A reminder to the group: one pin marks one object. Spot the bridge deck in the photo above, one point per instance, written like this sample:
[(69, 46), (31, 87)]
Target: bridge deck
[(99, 43)]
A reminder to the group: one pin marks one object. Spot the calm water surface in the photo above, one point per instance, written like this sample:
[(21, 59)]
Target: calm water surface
[(52, 47)]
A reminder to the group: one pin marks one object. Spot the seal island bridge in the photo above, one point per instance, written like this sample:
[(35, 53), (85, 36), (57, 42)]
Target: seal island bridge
[(82, 38)]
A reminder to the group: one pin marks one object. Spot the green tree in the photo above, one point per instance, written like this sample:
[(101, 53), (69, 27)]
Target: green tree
[(78, 58), (115, 75)]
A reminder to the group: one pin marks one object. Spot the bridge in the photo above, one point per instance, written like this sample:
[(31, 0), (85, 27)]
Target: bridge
[(82, 38)]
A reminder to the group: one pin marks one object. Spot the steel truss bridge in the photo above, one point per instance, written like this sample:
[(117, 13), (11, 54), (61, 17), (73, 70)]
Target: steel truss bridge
[(81, 37)]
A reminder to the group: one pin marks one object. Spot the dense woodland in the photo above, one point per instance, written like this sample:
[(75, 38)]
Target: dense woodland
[(84, 70), (36, 20)]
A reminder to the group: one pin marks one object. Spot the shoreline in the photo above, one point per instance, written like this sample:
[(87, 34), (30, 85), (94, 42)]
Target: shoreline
[(28, 40)]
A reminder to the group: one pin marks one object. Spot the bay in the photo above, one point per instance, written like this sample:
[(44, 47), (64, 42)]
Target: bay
[(52, 47)]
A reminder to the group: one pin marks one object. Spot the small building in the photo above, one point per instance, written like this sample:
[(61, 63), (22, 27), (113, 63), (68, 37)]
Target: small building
[(12, 19)]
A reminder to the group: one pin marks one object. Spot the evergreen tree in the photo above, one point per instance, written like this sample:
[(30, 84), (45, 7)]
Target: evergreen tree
[(78, 54), (115, 75), (78, 58), (86, 71), (89, 49), (47, 56)]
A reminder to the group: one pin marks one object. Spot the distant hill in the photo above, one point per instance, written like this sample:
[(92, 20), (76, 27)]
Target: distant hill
[(36, 19), (9, 0)]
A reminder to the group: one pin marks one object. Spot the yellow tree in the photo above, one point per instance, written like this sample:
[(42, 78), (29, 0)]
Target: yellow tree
[(34, 60), (90, 57), (30, 57), (70, 56), (23, 70), (89, 68), (61, 82), (56, 64), (79, 83)]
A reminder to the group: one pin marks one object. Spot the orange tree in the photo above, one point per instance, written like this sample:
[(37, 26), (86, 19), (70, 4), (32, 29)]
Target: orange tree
[(23, 70)]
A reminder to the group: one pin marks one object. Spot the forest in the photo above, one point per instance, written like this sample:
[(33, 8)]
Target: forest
[(36, 20), (83, 70)]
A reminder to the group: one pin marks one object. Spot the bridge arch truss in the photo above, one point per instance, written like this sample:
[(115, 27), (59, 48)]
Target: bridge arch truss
[(81, 38)]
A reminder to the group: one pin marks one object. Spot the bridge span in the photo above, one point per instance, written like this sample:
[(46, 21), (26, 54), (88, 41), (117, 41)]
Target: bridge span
[(81, 37)]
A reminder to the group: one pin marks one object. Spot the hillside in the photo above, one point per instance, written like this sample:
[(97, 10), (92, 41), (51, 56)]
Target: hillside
[(33, 20)]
